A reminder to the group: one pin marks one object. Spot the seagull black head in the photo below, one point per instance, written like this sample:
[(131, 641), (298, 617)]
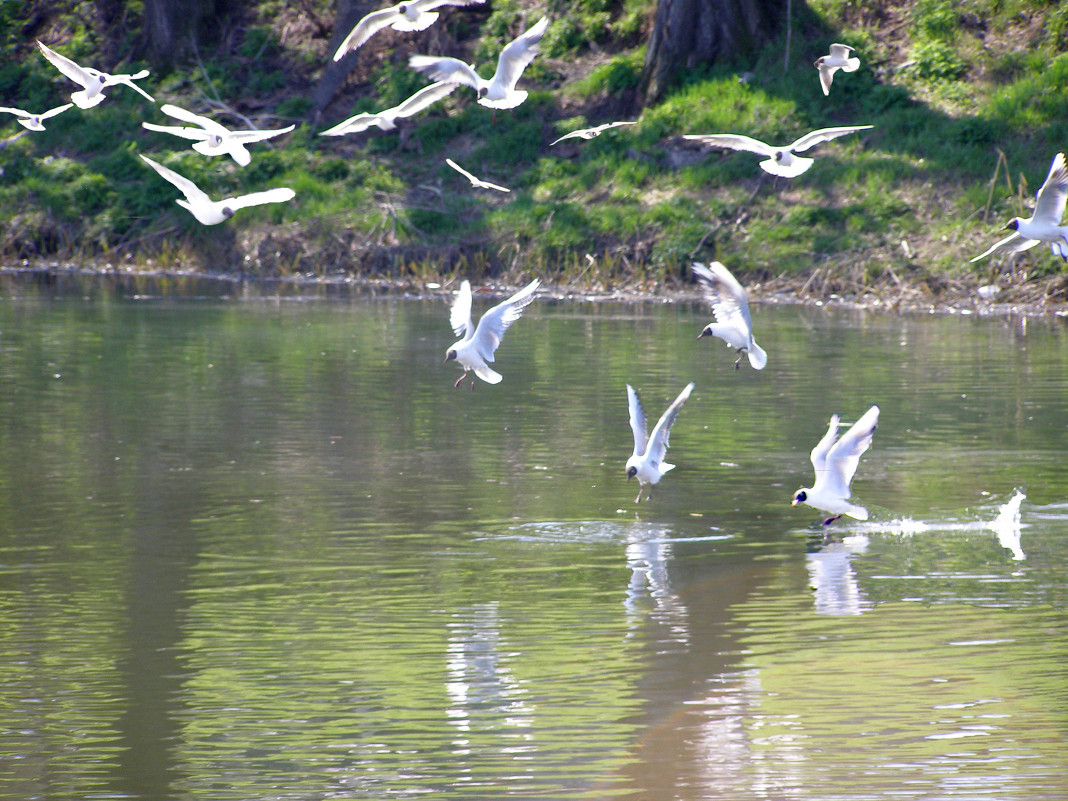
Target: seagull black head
[(632, 471), (227, 212), (800, 497), (450, 355), (1014, 224)]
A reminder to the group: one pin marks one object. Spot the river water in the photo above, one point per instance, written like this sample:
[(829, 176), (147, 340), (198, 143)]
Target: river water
[(260, 548)]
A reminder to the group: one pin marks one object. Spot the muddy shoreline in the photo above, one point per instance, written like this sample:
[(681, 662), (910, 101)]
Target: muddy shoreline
[(1012, 296)]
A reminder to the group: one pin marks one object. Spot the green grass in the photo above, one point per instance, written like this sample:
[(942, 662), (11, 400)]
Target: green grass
[(613, 209)]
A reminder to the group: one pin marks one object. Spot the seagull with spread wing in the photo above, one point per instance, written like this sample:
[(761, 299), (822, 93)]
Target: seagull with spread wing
[(838, 59), (415, 15), (781, 161), (835, 464), (212, 212), (476, 182), (211, 138), (499, 91), (731, 310), (590, 133), (647, 462), (386, 120), (475, 350), (93, 82), (1044, 225), (34, 121)]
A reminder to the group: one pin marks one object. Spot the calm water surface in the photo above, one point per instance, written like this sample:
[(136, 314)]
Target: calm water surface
[(261, 549)]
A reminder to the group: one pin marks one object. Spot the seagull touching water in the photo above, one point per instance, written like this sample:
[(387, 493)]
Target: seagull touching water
[(499, 91), (835, 463), (1044, 225), (647, 462), (731, 310), (476, 349), (781, 161)]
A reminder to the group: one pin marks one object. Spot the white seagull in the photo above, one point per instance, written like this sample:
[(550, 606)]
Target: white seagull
[(589, 133), (415, 15), (1044, 224), (93, 81), (835, 463), (478, 183), (499, 91), (838, 59), (211, 138), (782, 161), (34, 121), (647, 462), (212, 212), (475, 350), (386, 120), (731, 310)]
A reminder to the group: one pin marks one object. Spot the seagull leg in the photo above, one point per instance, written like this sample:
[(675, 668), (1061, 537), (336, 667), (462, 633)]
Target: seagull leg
[(463, 375), (639, 498), (830, 520), (741, 353)]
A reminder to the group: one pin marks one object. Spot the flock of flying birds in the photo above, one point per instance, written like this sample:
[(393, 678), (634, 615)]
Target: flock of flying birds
[(834, 459)]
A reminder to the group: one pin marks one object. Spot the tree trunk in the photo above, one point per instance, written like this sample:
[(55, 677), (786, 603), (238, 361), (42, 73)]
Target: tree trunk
[(349, 12), (688, 33), (171, 27)]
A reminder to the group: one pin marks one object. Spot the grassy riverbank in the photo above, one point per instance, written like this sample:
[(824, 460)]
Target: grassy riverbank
[(949, 87)]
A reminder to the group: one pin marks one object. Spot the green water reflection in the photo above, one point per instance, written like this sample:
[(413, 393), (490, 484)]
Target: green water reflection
[(261, 548)]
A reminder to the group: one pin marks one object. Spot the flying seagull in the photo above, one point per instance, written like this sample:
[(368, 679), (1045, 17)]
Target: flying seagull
[(499, 91), (211, 138), (93, 81), (416, 15), (212, 212), (475, 350), (34, 121), (835, 463), (589, 133), (386, 120), (731, 310), (1044, 224), (782, 161), (647, 461), (838, 59), (478, 183)]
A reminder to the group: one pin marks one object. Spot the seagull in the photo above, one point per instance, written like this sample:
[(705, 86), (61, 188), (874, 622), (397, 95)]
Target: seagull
[(647, 461), (33, 121), (478, 344), (93, 81), (478, 183), (589, 133), (211, 138), (499, 91), (412, 16), (782, 161), (837, 60), (731, 310), (835, 463), (212, 212), (1044, 224), (386, 120)]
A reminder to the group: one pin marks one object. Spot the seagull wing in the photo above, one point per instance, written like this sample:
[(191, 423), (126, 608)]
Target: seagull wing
[(826, 77), (425, 97), (734, 142), (844, 456), (841, 51), (209, 125), (496, 321), (813, 138), (725, 295), (366, 28), (451, 70), (1013, 243), (360, 122), (277, 195), (818, 456), (583, 134), (460, 313), (487, 185), (637, 422), (658, 439), (518, 53), (54, 111), (462, 171), (1049, 205), (66, 66), (128, 80), (245, 137), (17, 112), (191, 191), (194, 134)]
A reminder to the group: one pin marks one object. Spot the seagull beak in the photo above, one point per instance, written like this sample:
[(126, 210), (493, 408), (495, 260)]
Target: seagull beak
[(793, 502)]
